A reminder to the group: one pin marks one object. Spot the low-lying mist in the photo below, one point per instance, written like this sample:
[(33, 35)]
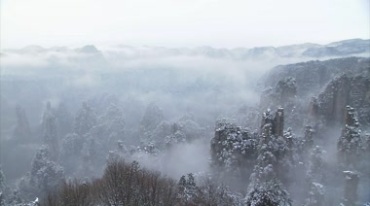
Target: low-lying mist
[(157, 106)]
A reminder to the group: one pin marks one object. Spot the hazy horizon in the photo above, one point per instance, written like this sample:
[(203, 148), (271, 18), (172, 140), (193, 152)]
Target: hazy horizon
[(105, 46), (216, 23)]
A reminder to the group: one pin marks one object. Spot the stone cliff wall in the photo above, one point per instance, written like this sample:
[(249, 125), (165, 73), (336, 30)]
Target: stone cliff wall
[(311, 77), (347, 89), (323, 89)]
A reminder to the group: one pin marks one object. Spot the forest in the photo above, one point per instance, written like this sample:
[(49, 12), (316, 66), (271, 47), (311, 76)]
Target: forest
[(267, 126)]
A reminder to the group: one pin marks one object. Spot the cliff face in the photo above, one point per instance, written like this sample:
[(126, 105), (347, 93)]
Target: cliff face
[(322, 90), (312, 76), (347, 89)]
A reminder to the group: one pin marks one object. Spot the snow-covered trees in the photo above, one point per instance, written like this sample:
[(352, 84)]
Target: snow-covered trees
[(316, 165), (75, 193), (349, 144), (157, 135), (272, 153), (233, 151), (315, 195), (177, 136), (44, 177), (191, 129), (153, 116), (85, 120), (187, 190), (45, 174), (281, 147), (71, 145), (213, 193), (284, 93), (71, 153), (315, 176), (265, 188), (94, 135), (111, 125), (152, 128), (129, 184)]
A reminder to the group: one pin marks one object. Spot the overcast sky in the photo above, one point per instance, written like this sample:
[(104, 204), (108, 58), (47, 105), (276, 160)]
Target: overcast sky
[(181, 23)]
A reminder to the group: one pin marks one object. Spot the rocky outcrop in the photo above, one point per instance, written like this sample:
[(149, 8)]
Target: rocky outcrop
[(349, 144), (347, 89), (282, 94), (275, 120), (351, 187), (321, 89), (311, 77), (232, 146)]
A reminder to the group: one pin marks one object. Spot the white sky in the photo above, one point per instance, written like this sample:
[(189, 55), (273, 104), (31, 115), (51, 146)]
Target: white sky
[(181, 23)]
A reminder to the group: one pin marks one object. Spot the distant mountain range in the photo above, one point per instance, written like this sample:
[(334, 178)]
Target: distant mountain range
[(352, 47)]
